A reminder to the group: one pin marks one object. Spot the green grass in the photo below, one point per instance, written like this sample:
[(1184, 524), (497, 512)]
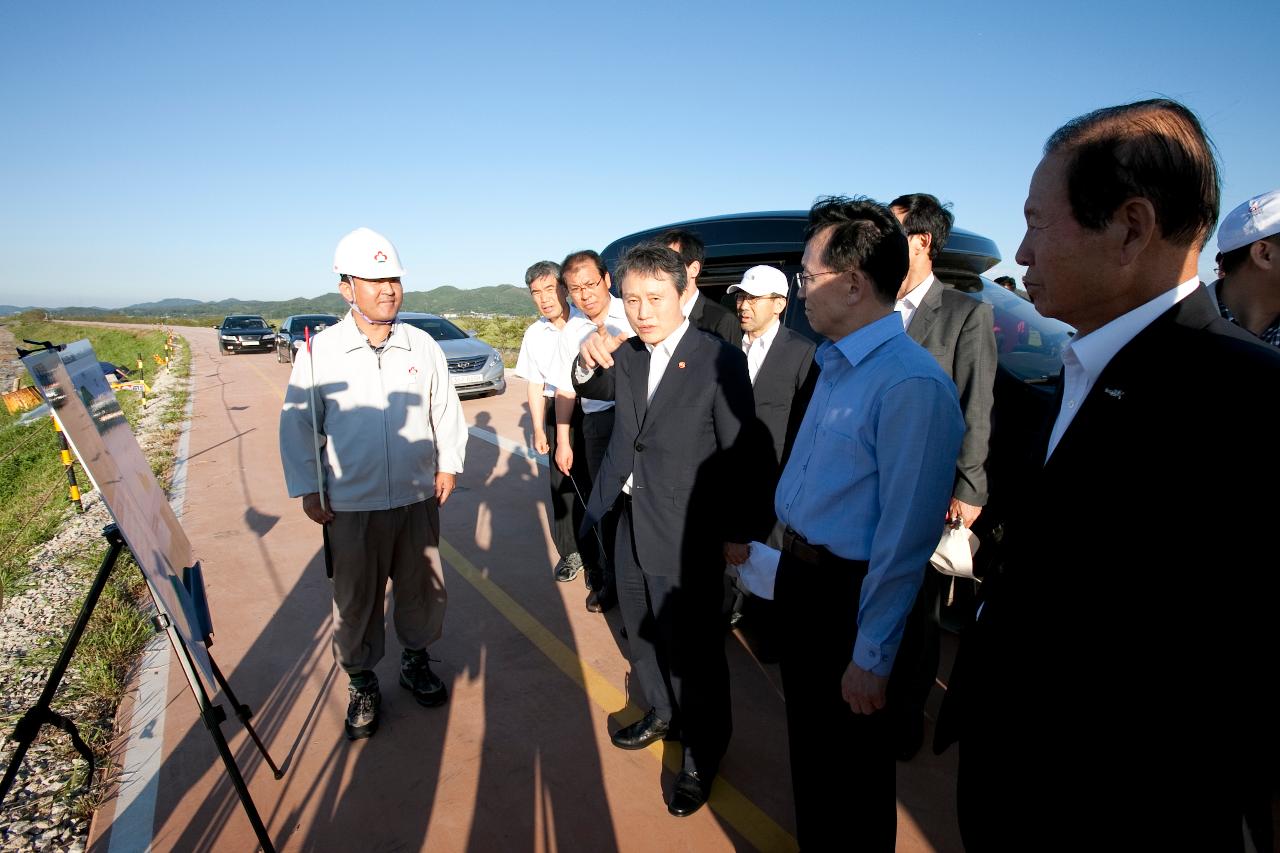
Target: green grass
[(502, 333), (33, 487), (121, 623)]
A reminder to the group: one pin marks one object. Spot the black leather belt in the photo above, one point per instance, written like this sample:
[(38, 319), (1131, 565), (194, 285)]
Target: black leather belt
[(816, 555)]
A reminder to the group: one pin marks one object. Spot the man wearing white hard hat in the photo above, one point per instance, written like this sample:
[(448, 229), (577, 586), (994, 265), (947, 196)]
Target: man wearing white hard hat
[(780, 363), (1248, 291), (372, 438)]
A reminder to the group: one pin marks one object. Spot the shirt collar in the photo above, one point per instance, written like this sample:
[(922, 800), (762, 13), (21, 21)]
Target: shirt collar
[(1095, 350), (353, 338), (917, 294), (687, 308), (764, 340), (669, 344), (859, 344)]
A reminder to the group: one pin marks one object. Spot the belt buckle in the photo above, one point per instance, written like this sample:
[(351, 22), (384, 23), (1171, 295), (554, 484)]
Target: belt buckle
[(799, 547)]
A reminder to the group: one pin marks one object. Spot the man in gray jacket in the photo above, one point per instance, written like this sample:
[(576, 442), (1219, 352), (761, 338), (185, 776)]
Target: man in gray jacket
[(958, 331), (372, 438)]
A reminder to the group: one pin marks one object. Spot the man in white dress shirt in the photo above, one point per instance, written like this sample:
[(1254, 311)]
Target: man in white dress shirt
[(536, 364), (586, 278)]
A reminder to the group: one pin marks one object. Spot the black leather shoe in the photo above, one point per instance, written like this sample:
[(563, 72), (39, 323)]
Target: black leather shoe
[(641, 733), (593, 602), (689, 794)]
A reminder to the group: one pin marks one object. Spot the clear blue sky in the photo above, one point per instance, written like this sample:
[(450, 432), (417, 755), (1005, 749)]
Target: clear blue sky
[(220, 150)]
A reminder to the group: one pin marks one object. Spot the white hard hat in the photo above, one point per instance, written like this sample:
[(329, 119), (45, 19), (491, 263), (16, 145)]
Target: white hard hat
[(366, 254)]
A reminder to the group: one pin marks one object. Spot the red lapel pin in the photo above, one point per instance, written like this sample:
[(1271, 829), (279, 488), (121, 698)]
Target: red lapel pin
[(680, 365)]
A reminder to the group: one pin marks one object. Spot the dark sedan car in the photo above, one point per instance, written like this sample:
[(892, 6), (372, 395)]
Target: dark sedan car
[(246, 333), (293, 332), (1029, 346)]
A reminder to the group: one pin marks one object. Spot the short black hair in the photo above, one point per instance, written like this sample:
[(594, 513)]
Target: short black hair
[(691, 246), (1154, 149), (540, 270), (865, 235), (926, 215), (583, 256), (1006, 281), (655, 260), (1231, 261)]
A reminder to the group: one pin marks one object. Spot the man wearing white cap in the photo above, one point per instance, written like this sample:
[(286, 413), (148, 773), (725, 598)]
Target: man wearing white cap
[(1248, 292), (372, 438), (779, 360), (780, 363)]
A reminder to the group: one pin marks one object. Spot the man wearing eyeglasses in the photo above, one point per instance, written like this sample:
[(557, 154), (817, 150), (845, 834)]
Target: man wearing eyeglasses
[(586, 278), (868, 479), (782, 372), (958, 331)]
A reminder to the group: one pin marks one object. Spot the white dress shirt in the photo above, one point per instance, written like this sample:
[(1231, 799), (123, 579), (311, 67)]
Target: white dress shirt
[(575, 331), (686, 308), (758, 349), (907, 305), (1086, 356), (659, 357), (538, 353)]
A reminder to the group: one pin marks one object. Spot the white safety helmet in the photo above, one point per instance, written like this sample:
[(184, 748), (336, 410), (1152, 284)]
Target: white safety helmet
[(364, 253)]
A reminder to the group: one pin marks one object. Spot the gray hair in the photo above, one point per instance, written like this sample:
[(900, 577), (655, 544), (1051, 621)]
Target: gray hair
[(540, 269)]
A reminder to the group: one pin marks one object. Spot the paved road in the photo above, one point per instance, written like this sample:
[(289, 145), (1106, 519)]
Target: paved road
[(520, 758)]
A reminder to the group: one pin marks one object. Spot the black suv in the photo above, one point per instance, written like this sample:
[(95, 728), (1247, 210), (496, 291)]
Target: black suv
[(293, 333), (1029, 346), (246, 333)]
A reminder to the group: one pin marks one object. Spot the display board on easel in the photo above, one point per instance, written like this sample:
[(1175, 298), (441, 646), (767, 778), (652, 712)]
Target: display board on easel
[(71, 381)]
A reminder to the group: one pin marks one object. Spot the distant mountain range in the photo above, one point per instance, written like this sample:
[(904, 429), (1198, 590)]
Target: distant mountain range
[(11, 309), (505, 299)]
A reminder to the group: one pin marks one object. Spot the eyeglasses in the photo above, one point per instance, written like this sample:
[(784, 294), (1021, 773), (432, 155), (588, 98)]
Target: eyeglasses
[(743, 296), (803, 278), (591, 285)]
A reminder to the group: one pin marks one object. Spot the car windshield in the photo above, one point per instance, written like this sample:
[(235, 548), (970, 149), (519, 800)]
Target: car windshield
[(1029, 346), (436, 327), (312, 323), (244, 323)]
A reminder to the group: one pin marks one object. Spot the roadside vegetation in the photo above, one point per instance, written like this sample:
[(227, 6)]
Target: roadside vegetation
[(36, 517), (502, 332), (33, 485)]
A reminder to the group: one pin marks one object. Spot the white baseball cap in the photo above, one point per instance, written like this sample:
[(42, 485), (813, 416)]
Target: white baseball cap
[(762, 281), (1257, 218)]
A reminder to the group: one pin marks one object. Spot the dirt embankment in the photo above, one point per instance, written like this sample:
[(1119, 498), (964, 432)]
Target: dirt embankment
[(10, 367)]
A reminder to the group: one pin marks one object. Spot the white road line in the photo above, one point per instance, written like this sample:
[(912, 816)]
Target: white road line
[(134, 822), (515, 448)]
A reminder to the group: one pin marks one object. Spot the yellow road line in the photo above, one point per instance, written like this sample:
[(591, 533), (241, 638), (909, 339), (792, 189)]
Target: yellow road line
[(762, 831), (746, 817)]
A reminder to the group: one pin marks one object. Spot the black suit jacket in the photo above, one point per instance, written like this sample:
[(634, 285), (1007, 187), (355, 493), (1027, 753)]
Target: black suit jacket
[(685, 450), (783, 387), (957, 330), (715, 318), (1120, 680)]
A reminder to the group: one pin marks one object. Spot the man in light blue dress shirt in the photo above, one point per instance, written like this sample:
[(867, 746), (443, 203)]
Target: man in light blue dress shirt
[(862, 497)]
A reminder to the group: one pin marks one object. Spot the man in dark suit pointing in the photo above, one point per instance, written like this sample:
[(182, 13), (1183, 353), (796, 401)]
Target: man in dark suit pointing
[(1118, 687), (675, 463)]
